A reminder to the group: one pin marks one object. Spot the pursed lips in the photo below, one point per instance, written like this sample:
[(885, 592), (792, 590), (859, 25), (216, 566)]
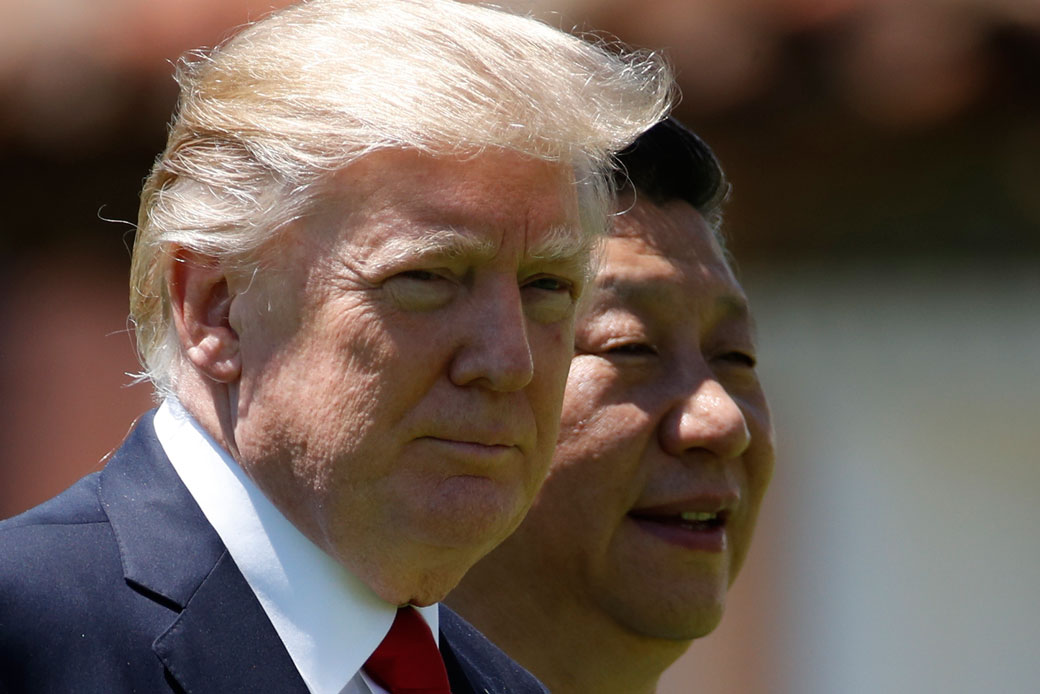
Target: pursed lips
[(479, 447), (481, 426), (489, 441)]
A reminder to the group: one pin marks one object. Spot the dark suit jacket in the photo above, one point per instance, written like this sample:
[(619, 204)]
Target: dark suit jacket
[(121, 585)]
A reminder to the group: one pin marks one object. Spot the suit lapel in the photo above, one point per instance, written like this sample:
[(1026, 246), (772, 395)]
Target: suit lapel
[(475, 665), (458, 674), (166, 545), (221, 639)]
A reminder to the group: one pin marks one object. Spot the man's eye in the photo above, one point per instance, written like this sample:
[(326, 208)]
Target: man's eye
[(632, 349), (421, 275), (419, 290), (738, 358), (550, 284), (548, 299)]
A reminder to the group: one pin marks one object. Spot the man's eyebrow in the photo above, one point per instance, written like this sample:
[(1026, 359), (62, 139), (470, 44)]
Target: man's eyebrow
[(729, 305), (735, 306), (563, 244), (437, 243)]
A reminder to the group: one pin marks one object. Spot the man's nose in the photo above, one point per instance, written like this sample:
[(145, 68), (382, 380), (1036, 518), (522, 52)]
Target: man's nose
[(495, 351), (705, 417)]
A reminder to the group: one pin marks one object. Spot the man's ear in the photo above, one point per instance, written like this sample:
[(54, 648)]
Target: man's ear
[(201, 303)]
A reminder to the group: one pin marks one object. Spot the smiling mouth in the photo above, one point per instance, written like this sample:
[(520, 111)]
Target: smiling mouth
[(688, 520), (703, 531)]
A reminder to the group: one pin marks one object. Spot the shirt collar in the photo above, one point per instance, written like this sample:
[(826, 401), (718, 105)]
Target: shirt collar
[(328, 619)]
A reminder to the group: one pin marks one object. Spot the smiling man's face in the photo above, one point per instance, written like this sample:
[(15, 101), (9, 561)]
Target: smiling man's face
[(665, 449), (403, 362)]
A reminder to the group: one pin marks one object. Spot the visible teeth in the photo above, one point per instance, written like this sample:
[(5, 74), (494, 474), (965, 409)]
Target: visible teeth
[(698, 516)]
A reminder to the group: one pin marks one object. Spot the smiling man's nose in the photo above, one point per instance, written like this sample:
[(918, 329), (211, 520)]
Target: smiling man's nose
[(495, 351), (706, 418)]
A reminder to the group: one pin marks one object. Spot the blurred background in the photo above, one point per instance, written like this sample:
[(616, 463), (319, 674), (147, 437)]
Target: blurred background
[(885, 162)]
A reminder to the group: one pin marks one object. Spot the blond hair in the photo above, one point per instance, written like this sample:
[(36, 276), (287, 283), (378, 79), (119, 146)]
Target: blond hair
[(308, 90)]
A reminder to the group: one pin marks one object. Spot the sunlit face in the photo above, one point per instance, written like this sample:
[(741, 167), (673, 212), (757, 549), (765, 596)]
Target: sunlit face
[(403, 362), (665, 448)]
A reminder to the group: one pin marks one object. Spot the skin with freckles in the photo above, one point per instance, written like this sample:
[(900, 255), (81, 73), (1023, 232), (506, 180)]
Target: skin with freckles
[(392, 379), (605, 584)]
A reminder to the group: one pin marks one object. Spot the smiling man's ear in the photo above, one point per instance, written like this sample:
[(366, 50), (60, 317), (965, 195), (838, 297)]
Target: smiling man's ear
[(201, 301)]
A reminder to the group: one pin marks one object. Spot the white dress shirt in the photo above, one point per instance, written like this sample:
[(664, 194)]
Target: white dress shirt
[(329, 621)]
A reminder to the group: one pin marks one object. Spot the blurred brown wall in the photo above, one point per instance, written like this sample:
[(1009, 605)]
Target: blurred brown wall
[(851, 130)]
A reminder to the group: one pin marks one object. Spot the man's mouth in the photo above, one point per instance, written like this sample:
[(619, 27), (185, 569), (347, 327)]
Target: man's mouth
[(697, 530), (482, 452), (475, 444), (691, 520)]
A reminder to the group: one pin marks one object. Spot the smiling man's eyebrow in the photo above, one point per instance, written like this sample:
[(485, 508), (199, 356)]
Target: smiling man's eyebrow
[(734, 305), (651, 292)]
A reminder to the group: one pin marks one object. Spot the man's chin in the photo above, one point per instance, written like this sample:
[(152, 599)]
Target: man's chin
[(468, 525), (420, 587), (420, 574), (695, 623), (423, 565)]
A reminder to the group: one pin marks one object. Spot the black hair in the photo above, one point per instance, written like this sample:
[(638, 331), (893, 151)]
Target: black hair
[(670, 162)]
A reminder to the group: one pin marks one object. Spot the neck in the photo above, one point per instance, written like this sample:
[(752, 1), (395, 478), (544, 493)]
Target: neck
[(212, 406), (572, 646)]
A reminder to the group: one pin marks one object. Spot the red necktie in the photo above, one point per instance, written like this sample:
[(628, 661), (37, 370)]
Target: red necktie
[(407, 661)]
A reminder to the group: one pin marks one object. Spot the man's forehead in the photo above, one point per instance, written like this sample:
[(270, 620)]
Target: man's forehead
[(633, 274), (449, 185), (419, 204), (663, 292), (555, 244), (674, 228)]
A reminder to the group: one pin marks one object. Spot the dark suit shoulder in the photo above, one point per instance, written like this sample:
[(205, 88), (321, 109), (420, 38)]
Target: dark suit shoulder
[(77, 504), (69, 619), (487, 667), (53, 555), (48, 550)]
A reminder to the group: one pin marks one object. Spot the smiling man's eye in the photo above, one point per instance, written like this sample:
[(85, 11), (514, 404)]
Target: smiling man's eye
[(739, 358), (632, 349)]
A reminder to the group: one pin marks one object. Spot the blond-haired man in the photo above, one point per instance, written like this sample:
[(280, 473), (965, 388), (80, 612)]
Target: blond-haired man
[(353, 285)]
